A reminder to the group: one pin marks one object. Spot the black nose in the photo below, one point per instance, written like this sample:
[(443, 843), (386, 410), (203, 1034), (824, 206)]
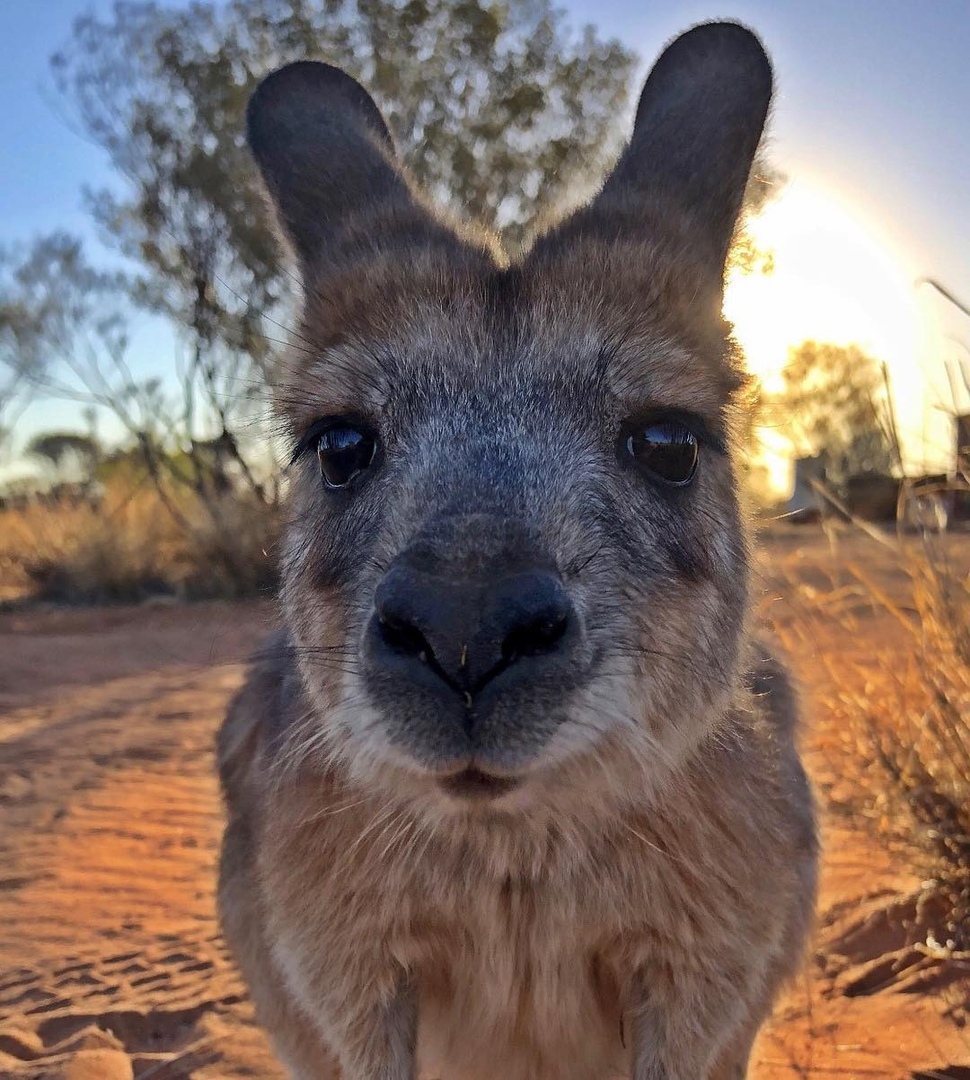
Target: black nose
[(470, 633)]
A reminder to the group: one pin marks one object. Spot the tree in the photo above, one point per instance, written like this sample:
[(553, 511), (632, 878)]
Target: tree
[(67, 321), (69, 454), (79, 327), (32, 313), (495, 107), (833, 405), (764, 183)]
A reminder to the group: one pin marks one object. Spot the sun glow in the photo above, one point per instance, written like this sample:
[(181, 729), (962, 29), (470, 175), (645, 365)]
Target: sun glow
[(832, 281)]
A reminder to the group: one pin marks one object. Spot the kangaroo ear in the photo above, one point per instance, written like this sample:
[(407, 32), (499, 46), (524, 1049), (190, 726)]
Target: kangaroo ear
[(325, 156), (698, 124)]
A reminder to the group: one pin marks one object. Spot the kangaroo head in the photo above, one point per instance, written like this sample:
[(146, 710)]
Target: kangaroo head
[(516, 552)]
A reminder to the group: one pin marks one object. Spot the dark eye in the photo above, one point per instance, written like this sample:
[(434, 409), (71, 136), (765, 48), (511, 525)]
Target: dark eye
[(344, 452), (667, 449)]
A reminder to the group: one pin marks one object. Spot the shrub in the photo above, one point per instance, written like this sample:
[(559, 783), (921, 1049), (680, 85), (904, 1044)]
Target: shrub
[(902, 703), (128, 544)]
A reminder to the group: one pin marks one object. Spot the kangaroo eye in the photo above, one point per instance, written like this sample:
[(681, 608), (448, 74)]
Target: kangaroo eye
[(344, 453), (666, 449)]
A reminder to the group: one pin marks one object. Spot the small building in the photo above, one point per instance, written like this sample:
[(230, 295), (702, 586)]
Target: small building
[(805, 503)]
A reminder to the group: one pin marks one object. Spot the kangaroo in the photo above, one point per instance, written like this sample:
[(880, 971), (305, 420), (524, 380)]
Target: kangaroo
[(514, 794)]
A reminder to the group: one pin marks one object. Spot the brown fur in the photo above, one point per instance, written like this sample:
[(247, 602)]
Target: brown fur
[(523, 942), (631, 907)]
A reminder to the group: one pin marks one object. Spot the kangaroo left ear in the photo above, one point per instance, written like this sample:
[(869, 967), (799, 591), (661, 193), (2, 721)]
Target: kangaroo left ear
[(697, 128), (329, 166)]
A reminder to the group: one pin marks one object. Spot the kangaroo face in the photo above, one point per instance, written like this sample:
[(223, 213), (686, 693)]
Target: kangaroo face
[(516, 531), (515, 545)]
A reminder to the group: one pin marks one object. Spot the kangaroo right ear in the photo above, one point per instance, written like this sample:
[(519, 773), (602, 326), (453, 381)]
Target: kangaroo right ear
[(697, 128), (326, 158)]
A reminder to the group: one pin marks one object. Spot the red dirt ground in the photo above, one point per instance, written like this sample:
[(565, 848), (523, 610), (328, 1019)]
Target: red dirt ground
[(110, 960)]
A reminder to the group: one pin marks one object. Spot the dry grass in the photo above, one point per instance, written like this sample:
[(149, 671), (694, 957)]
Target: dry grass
[(901, 702), (130, 546), (914, 724)]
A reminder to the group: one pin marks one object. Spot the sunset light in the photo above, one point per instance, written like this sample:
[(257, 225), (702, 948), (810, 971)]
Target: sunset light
[(833, 280)]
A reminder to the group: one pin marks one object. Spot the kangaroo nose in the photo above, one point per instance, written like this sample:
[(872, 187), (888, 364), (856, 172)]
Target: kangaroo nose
[(469, 633)]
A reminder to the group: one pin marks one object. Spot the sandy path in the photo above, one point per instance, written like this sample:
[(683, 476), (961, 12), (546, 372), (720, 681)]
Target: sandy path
[(111, 822), (110, 959)]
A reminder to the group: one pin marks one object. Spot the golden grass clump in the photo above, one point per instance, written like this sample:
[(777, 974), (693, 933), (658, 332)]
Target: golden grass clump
[(131, 544), (915, 721), (899, 692)]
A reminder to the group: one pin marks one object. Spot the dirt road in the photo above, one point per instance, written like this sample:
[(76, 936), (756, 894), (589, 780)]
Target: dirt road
[(111, 822)]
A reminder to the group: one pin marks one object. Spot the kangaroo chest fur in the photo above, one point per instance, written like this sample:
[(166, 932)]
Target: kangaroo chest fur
[(522, 951), (519, 981)]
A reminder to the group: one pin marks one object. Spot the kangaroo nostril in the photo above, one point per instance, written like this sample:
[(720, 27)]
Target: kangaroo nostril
[(405, 638), (535, 637), (468, 633)]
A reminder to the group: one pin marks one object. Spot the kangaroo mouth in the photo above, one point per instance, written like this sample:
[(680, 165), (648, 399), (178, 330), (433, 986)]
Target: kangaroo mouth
[(472, 783)]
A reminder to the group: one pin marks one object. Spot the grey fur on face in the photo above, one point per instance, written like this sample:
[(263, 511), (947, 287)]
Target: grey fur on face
[(496, 453)]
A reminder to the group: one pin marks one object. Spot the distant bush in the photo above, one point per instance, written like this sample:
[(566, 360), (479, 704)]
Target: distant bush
[(126, 544)]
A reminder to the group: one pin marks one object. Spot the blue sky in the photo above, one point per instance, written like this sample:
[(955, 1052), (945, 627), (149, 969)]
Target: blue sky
[(873, 102)]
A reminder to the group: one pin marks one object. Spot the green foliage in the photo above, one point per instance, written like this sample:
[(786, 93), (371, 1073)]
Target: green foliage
[(764, 183), (496, 107), (70, 454), (833, 405)]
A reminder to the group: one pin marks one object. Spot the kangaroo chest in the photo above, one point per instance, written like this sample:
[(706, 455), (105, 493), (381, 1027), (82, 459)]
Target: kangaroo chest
[(518, 983)]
